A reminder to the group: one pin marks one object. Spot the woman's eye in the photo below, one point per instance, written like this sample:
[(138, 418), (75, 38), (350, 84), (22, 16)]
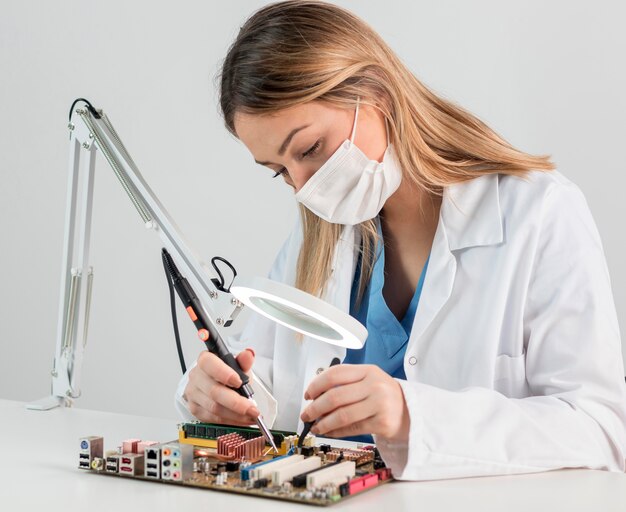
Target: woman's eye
[(311, 151)]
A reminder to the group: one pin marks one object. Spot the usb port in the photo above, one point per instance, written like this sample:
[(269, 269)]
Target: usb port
[(153, 474), (84, 456), (151, 466), (83, 464)]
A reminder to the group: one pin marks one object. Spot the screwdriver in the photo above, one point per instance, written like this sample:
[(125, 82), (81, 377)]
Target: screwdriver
[(211, 337)]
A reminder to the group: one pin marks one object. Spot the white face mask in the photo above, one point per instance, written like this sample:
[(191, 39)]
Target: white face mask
[(349, 188)]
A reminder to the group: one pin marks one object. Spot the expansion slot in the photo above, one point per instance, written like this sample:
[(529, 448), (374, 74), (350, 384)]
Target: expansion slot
[(288, 472), (335, 474)]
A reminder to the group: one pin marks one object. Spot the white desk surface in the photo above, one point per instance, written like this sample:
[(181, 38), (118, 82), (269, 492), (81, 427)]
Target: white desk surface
[(39, 472)]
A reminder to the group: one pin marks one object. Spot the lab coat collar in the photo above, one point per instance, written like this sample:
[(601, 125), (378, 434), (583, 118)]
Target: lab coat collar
[(470, 216), (471, 212)]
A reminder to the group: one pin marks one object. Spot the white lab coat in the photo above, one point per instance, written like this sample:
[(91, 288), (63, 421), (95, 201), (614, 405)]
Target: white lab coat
[(514, 361)]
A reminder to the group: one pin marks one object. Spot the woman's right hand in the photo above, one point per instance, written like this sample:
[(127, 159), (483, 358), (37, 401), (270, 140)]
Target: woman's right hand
[(209, 392)]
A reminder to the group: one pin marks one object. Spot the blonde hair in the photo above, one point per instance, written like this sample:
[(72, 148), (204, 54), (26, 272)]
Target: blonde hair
[(292, 52)]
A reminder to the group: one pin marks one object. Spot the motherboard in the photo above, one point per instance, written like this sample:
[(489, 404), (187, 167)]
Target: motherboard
[(237, 459)]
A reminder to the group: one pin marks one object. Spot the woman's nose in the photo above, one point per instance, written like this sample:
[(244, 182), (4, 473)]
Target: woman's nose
[(299, 176)]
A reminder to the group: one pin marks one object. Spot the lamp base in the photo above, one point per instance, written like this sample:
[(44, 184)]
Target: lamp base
[(47, 403)]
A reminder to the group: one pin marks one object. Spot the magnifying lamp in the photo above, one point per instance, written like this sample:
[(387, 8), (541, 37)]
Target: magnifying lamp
[(91, 131)]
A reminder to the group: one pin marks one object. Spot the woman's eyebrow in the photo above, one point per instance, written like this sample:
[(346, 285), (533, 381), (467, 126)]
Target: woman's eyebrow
[(286, 142)]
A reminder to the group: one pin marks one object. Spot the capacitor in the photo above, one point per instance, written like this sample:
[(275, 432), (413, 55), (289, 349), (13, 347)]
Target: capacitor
[(325, 448), (261, 482), (232, 466)]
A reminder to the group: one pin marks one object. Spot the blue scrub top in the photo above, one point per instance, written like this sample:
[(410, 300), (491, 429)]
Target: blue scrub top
[(387, 336)]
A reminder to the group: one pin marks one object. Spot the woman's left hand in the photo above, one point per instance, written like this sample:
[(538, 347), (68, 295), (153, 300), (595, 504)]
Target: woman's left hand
[(354, 399)]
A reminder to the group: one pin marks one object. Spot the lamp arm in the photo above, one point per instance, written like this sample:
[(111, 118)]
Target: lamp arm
[(93, 131)]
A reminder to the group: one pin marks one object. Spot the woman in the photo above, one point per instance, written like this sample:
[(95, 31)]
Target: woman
[(493, 342)]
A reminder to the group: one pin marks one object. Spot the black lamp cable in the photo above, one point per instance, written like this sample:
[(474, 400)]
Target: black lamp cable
[(219, 283), (179, 347), (91, 108)]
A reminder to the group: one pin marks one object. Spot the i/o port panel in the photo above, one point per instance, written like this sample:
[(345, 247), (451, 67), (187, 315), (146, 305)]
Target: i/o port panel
[(131, 464), (176, 461), (91, 448), (152, 459)]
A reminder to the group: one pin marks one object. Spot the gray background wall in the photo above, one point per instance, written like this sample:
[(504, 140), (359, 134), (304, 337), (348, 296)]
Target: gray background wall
[(549, 76)]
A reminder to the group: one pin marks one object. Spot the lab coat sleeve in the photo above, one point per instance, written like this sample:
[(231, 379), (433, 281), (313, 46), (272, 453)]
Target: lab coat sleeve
[(259, 334), (576, 416)]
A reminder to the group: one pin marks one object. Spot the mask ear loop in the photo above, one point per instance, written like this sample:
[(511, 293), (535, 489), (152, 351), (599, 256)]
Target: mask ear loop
[(356, 116)]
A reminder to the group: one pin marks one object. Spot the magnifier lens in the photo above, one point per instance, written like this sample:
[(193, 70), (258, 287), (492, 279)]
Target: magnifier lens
[(300, 311), (297, 319)]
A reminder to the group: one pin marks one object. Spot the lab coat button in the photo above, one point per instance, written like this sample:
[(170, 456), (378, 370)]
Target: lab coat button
[(413, 360), (319, 370)]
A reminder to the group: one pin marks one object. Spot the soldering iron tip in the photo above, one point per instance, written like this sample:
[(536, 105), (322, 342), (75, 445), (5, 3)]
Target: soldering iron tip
[(266, 432)]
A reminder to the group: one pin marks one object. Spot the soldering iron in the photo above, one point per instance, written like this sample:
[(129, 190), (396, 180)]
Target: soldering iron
[(211, 337)]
